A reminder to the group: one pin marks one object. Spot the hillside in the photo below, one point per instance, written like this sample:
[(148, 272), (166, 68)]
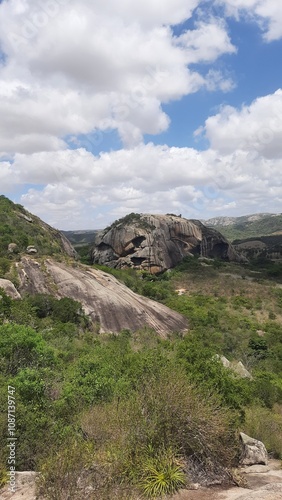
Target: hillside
[(103, 416), (130, 384), (24, 233), (81, 237), (249, 226), (38, 259)]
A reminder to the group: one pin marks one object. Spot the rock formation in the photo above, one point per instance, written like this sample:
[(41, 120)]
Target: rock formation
[(158, 242), (254, 451), (107, 301), (9, 288)]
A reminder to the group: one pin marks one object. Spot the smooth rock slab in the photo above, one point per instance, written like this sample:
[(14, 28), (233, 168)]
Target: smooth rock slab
[(268, 492), (107, 301), (256, 469)]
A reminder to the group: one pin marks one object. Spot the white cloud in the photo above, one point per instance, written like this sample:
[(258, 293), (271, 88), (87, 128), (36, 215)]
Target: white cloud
[(268, 13), (77, 69), (257, 127), (72, 66), (87, 191)]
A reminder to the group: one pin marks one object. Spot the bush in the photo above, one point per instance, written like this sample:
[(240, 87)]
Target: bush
[(61, 473), (170, 418), (5, 265), (22, 347), (266, 426)]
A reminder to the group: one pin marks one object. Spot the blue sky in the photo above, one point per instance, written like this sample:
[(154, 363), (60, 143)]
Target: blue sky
[(154, 106)]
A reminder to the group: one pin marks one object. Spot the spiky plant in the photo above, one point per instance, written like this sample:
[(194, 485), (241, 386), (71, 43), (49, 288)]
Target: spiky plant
[(161, 475)]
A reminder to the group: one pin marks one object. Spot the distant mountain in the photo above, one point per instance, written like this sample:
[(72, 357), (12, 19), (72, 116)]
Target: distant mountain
[(81, 237), (248, 226)]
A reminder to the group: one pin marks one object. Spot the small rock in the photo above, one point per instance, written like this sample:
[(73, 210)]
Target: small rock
[(31, 250), (254, 451), (194, 486), (12, 247)]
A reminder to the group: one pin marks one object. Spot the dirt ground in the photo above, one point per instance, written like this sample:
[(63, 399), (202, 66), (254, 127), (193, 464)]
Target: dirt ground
[(262, 483)]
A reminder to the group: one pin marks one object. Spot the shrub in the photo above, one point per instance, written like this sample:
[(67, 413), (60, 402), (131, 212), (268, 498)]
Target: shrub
[(5, 265), (60, 474), (266, 425), (166, 413), (21, 347)]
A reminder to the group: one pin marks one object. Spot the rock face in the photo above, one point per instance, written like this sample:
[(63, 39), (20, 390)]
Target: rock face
[(9, 289), (158, 242), (107, 301), (254, 451)]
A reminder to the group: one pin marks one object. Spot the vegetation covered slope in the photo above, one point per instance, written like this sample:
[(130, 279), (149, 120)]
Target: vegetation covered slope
[(19, 227), (248, 226), (80, 238), (130, 415)]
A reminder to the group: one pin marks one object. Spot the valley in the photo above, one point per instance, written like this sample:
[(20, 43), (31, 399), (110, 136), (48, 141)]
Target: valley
[(124, 379)]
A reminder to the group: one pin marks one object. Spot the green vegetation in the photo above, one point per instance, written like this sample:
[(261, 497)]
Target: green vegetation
[(131, 218), (132, 415), (23, 229), (243, 228)]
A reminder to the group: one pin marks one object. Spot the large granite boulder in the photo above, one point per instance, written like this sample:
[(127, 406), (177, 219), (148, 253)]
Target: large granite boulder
[(158, 242)]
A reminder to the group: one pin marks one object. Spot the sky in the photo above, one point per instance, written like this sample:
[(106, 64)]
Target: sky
[(151, 106)]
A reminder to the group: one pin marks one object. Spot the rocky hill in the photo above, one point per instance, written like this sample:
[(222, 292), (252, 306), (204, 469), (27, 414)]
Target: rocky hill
[(253, 236), (248, 226), (24, 233), (158, 242), (35, 258)]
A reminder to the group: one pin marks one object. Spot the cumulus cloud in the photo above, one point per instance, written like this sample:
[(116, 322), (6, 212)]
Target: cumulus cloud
[(97, 189), (268, 13), (74, 70), (75, 66), (257, 127)]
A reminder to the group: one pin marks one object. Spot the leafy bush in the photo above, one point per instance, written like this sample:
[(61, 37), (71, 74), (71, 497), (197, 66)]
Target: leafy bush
[(265, 425), (22, 347), (5, 265), (169, 417)]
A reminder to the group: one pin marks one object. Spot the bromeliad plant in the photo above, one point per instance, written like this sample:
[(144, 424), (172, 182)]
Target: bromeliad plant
[(162, 474)]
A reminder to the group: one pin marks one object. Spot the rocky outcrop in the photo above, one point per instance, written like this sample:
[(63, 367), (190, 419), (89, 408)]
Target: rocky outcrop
[(158, 242), (9, 288), (254, 451), (236, 366), (108, 302)]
